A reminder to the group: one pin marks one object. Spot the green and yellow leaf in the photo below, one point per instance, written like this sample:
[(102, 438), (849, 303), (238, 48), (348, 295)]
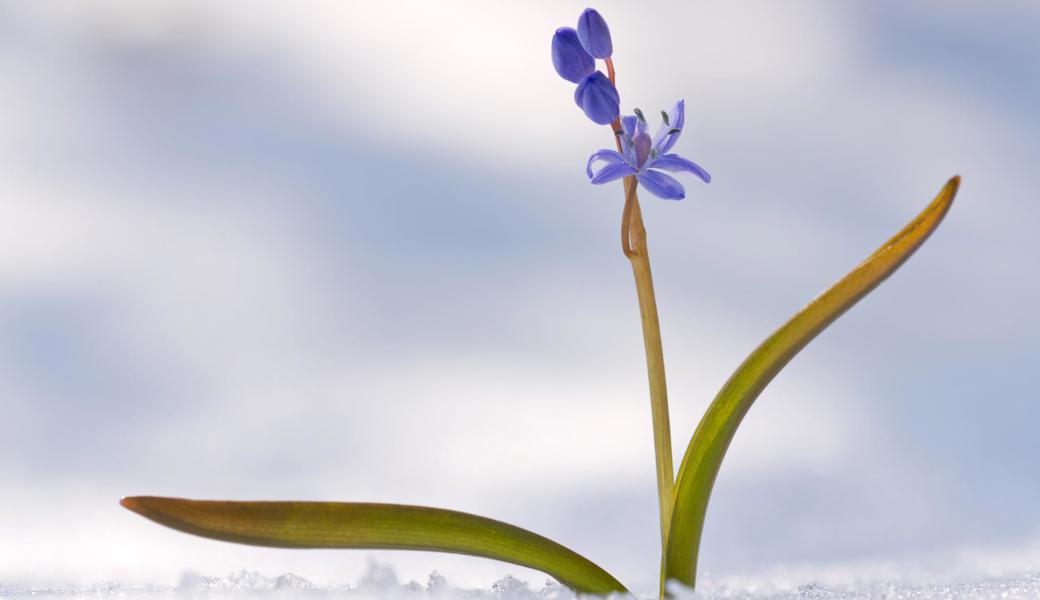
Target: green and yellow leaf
[(374, 526), (704, 455)]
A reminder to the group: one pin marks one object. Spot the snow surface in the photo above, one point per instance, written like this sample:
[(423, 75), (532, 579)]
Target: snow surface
[(381, 583)]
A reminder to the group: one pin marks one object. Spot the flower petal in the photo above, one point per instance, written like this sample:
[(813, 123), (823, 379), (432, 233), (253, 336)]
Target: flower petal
[(612, 172), (594, 34), (608, 156), (642, 145), (678, 164), (662, 185), (628, 125), (569, 58), (640, 126), (598, 97), (666, 135)]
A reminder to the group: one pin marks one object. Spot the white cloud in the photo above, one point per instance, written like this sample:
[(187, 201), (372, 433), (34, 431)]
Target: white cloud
[(213, 281), (461, 78)]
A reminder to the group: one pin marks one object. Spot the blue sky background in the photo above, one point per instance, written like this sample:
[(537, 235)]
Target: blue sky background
[(333, 250)]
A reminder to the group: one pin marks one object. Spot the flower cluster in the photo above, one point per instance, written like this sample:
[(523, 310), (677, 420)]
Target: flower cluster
[(574, 54)]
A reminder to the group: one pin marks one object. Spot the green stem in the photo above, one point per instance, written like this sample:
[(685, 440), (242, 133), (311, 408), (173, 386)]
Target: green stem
[(634, 243)]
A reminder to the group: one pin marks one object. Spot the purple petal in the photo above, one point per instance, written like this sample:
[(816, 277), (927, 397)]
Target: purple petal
[(598, 97), (640, 126), (594, 34), (628, 125), (661, 185), (678, 164), (642, 144), (663, 140), (608, 156), (612, 172), (571, 61)]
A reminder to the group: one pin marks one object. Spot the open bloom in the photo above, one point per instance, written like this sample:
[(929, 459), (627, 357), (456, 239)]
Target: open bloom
[(642, 155)]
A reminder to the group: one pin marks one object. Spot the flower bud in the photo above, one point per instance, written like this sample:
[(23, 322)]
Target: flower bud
[(572, 62), (594, 34), (598, 97)]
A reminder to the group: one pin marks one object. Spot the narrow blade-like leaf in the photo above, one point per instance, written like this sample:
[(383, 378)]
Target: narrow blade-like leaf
[(382, 526), (704, 455)]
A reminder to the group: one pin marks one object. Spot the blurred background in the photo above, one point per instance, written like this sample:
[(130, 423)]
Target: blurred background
[(347, 251)]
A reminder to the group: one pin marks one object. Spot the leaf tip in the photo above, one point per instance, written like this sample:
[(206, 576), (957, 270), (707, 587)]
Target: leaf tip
[(138, 504), (944, 200)]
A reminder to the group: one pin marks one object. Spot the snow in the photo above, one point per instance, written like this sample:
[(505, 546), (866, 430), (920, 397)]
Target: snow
[(381, 583)]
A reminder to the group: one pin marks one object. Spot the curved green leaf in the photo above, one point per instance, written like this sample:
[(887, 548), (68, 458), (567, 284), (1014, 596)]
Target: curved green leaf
[(704, 455), (382, 526)]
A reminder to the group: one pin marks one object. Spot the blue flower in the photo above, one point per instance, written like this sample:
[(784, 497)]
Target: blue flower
[(571, 60), (642, 155), (598, 97), (594, 34)]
